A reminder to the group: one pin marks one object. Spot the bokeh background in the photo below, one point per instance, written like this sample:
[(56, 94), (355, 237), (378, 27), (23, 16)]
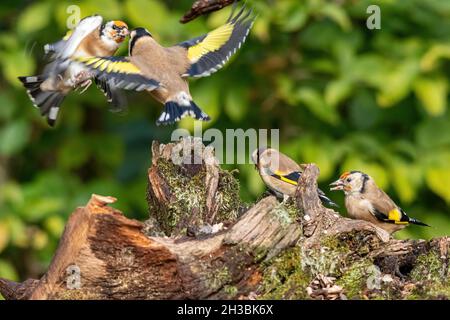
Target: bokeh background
[(343, 96)]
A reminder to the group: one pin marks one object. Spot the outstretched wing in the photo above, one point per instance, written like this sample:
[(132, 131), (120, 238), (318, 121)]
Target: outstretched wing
[(66, 47), (53, 49), (120, 72), (208, 53)]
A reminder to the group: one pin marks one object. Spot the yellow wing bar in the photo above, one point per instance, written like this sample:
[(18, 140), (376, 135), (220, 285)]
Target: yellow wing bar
[(119, 72), (212, 42), (290, 178), (396, 216), (110, 65), (209, 53)]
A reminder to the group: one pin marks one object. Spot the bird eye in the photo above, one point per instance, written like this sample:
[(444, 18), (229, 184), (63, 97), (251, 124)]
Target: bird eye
[(115, 27), (349, 179)]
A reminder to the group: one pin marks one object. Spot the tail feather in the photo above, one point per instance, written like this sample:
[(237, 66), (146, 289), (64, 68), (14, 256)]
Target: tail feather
[(48, 102), (325, 200), (173, 112), (418, 222)]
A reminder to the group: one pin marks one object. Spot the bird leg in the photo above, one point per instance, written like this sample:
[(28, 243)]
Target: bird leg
[(85, 85), (285, 199), (81, 80)]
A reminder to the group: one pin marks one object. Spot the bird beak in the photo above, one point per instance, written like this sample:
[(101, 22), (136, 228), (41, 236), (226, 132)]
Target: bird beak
[(337, 185), (124, 32)]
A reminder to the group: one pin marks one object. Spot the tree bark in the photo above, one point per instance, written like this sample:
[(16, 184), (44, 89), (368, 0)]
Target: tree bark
[(201, 242), (202, 7)]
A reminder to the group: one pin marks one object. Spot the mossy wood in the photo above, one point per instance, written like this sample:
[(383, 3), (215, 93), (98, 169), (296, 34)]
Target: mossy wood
[(297, 250)]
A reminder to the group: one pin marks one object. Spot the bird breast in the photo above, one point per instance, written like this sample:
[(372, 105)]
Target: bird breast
[(358, 207), (94, 45)]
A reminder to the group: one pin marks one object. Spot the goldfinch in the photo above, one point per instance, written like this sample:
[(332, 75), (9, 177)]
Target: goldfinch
[(90, 37), (364, 200), (280, 173), (163, 71)]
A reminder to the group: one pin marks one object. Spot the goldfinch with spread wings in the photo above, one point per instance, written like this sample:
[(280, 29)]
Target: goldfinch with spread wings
[(163, 71), (364, 200), (280, 173), (90, 37)]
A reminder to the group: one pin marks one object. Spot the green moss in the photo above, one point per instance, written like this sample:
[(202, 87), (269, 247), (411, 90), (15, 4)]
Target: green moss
[(428, 267), (354, 280), (431, 277), (332, 256), (189, 198), (260, 253), (77, 294), (284, 278), (430, 290), (292, 209), (344, 257), (228, 191), (231, 291), (219, 278), (282, 215)]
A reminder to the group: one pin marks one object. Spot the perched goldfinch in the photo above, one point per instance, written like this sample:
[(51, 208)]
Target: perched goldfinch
[(164, 71), (365, 201), (90, 37), (280, 173)]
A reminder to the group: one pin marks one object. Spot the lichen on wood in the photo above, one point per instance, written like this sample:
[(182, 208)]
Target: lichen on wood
[(183, 179)]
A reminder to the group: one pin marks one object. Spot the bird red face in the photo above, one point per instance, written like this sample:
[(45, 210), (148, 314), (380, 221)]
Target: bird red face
[(350, 182), (119, 31)]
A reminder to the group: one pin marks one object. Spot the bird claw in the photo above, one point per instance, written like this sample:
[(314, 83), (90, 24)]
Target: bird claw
[(85, 85), (285, 199), (81, 81)]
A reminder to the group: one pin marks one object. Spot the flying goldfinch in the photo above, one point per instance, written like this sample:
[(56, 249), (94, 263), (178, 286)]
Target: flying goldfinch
[(163, 71), (280, 173), (90, 37), (365, 201)]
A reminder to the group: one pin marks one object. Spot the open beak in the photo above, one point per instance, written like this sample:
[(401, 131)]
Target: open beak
[(124, 32), (337, 185)]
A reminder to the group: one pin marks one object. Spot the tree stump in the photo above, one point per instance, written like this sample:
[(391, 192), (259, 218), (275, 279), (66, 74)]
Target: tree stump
[(201, 242)]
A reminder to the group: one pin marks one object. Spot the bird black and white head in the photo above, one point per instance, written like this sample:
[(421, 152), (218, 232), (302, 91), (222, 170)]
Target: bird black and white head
[(139, 32), (351, 182), (135, 35)]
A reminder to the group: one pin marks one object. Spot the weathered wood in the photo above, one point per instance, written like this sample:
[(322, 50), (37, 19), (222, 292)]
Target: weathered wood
[(202, 7), (317, 220), (118, 261), (188, 190)]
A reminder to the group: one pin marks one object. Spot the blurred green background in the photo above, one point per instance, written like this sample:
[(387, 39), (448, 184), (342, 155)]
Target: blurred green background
[(343, 96)]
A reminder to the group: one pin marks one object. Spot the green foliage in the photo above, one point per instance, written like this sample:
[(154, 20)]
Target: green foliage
[(342, 95)]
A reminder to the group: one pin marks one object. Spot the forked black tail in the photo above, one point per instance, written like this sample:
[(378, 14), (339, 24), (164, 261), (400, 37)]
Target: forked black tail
[(48, 102), (325, 200), (173, 112), (418, 222)]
